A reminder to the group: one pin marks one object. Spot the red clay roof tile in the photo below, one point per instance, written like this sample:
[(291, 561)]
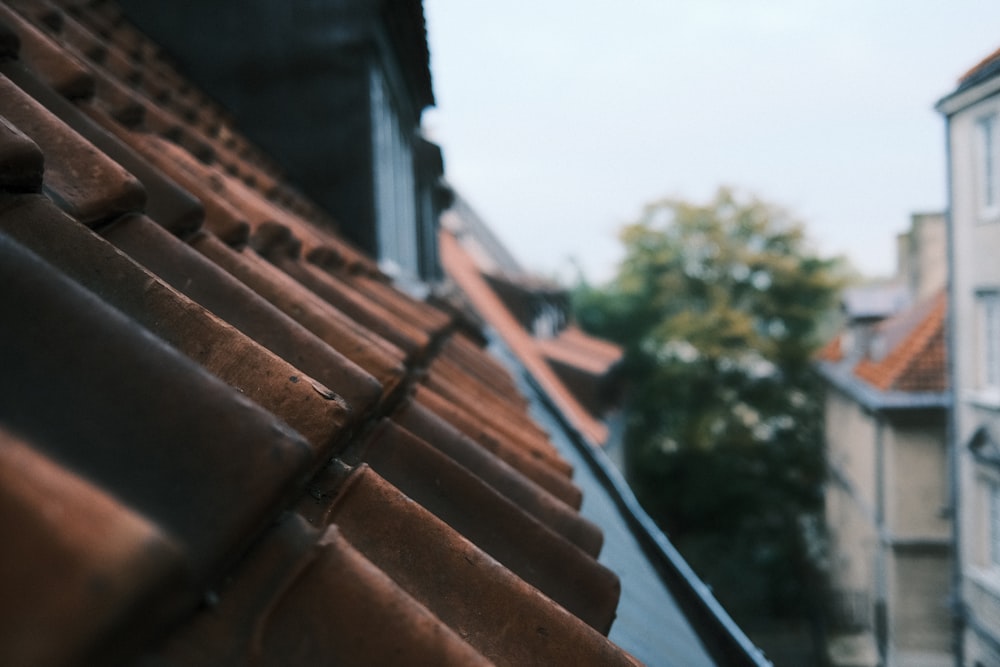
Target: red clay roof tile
[(454, 578), (56, 66), (540, 472), (500, 475), (372, 353), (390, 325), (917, 362), (86, 183), (172, 207), (23, 164), (239, 361), (201, 280), (462, 268), (91, 389), (88, 575), (530, 549), (305, 598), (156, 374)]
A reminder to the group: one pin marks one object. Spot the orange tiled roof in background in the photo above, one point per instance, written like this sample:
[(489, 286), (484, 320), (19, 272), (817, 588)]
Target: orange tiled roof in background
[(917, 361)]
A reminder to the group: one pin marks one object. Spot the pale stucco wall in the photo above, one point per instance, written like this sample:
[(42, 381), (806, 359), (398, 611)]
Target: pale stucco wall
[(975, 243)]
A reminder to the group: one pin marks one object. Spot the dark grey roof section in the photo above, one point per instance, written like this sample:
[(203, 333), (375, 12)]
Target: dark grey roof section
[(875, 301), (872, 399), (666, 614)]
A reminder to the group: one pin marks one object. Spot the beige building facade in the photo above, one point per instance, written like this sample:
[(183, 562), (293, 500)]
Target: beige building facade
[(972, 114), (887, 494)]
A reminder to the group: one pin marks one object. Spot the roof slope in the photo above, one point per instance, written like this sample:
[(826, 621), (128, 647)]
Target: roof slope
[(906, 353), (569, 364), (225, 437), (915, 358)]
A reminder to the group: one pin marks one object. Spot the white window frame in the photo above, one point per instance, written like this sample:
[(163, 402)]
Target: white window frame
[(987, 146), (988, 358), (993, 524)]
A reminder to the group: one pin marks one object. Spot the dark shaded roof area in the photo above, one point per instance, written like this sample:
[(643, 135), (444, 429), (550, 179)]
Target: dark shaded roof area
[(225, 437)]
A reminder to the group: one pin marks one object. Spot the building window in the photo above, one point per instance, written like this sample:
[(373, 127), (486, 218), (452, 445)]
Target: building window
[(994, 528), (989, 344), (395, 189), (988, 145)]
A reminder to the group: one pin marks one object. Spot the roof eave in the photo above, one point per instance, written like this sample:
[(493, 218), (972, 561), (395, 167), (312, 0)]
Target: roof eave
[(875, 400), (963, 97)]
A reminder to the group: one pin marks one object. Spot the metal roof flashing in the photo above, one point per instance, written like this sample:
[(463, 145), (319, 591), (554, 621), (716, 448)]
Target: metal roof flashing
[(873, 399), (692, 627)]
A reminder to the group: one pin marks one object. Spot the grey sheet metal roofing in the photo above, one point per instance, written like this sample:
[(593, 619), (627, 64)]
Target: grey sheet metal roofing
[(225, 437)]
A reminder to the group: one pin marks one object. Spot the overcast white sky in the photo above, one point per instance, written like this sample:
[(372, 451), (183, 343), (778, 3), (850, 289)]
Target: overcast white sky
[(559, 119)]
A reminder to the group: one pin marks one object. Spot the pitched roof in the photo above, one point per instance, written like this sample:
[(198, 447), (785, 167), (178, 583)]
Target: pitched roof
[(905, 354), (981, 71), (914, 355), (569, 365), (219, 422), (225, 436)]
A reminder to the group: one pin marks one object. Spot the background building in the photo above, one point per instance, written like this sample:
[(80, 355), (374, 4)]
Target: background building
[(972, 114), (886, 441)]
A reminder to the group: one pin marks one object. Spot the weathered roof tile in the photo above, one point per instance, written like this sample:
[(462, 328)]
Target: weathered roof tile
[(530, 549), (211, 358), (21, 162), (114, 568), (82, 179), (98, 393), (455, 579), (306, 597)]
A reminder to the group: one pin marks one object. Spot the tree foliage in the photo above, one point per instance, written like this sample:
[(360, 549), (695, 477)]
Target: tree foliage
[(717, 306)]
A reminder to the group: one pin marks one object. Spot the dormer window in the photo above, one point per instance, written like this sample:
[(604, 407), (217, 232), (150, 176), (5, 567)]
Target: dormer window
[(395, 191)]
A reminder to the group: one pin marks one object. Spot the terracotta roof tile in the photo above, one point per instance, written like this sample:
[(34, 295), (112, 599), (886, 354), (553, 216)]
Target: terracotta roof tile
[(376, 355), (60, 69), (454, 578), (88, 185), (539, 471), (21, 170), (917, 362), (461, 267), (204, 282), (979, 67), (500, 475), (174, 208), (832, 351), (236, 359), (526, 546), (196, 360), (304, 597), (89, 388), (111, 564)]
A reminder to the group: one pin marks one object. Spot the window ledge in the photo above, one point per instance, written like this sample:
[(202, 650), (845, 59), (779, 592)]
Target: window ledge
[(988, 216), (984, 398), (987, 579)]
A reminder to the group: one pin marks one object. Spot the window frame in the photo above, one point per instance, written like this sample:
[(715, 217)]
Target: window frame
[(988, 342), (987, 174)]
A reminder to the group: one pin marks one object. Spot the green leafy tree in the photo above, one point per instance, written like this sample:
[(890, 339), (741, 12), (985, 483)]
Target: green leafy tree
[(717, 306)]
